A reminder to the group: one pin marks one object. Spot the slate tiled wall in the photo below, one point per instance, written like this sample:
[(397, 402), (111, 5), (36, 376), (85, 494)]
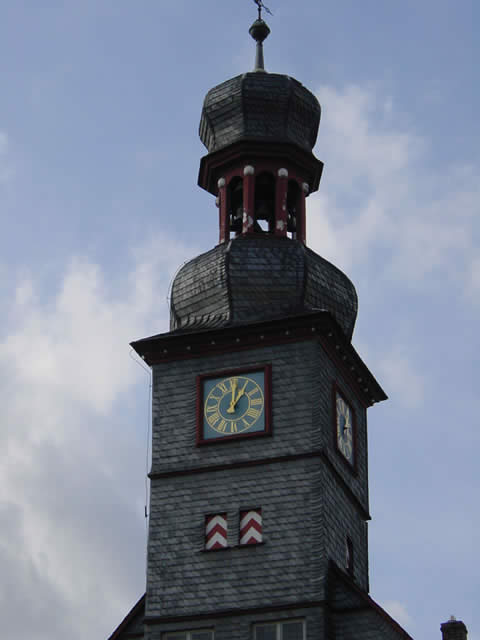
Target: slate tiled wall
[(304, 507), (257, 277), (241, 627), (183, 578), (265, 106)]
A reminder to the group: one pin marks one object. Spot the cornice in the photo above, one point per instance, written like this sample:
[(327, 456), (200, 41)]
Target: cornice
[(317, 326), (241, 464)]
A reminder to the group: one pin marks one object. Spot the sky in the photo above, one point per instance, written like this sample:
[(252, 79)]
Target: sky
[(99, 206)]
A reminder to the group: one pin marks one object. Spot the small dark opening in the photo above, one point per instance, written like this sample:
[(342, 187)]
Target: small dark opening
[(349, 555), (235, 200), (264, 203), (293, 202)]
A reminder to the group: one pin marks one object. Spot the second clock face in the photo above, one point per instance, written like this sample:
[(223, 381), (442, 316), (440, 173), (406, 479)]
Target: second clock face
[(344, 428), (233, 405)]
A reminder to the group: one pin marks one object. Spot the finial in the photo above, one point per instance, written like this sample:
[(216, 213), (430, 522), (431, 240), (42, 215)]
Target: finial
[(261, 6), (259, 32)]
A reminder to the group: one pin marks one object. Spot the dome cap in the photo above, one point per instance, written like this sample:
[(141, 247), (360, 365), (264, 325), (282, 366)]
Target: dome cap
[(265, 107)]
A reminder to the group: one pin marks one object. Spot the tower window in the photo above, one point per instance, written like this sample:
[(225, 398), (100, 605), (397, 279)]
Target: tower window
[(286, 630), (264, 203), (349, 555), (235, 204), (200, 634), (216, 532), (293, 205), (251, 526)]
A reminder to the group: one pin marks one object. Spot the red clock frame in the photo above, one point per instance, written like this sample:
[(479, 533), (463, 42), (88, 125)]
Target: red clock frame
[(267, 392), (351, 466)]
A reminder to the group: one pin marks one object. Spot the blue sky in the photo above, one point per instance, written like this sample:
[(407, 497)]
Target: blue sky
[(99, 154)]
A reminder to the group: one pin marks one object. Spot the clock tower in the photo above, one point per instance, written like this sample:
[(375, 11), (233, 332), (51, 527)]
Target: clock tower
[(259, 480)]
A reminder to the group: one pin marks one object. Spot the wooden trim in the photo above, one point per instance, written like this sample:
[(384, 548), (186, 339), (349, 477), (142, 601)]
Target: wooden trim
[(346, 367), (267, 407), (318, 326), (131, 615), (255, 152), (227, 613), (352, 468), (234, 547), (337, 574), (353, 498), (262, 461)]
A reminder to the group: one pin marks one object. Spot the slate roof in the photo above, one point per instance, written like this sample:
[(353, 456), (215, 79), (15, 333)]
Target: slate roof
[(131, 626), (254, 278), (259, 106)]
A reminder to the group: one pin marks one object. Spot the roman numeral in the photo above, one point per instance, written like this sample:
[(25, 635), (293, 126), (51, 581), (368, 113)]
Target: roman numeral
[(222, 426), (233, 427), (211, 408), (223, 387), (252, 392), (213, 419), (255, 402), (253, 413)]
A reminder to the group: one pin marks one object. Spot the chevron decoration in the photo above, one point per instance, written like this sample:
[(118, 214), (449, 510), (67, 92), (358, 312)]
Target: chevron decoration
[(216, 532), (251, 526)]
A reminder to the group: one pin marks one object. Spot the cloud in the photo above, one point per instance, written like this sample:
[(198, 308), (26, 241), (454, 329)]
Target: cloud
[(5, 166), (398, 611), (401, 377), (71, 474), (382, 207)]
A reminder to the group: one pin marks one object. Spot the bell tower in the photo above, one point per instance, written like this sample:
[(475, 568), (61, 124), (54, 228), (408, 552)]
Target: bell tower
[(259, 481), (259, 129)]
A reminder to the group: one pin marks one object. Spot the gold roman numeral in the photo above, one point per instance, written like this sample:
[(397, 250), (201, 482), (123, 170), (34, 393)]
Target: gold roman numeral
[(211, 408), (223, 387), (253, 413), (213, 419), (233, 427), (255, 402)]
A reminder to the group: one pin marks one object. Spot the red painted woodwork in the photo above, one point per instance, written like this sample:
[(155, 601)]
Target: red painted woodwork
[(251, 527), (281, 205), (216, 531), (267, 392), (351, 467)]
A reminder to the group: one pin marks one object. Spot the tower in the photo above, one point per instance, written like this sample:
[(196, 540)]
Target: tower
[(259, 479)]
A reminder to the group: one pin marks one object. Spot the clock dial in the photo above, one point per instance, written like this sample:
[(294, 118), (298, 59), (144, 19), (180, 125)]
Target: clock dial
[(233, 405), (344, 428)]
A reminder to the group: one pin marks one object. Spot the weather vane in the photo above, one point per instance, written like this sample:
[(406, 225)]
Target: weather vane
[(261, 6)]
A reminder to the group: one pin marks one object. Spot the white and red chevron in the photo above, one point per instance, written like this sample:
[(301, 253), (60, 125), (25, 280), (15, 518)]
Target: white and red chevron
[(251, 526), (216, 531)]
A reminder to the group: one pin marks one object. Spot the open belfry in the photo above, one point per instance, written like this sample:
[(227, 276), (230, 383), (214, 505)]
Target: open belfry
[(259, 504)]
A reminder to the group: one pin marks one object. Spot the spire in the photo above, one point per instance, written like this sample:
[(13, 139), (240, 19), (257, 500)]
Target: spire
[(259, 32)]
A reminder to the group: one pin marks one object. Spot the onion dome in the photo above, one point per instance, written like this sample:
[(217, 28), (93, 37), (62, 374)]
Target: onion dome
[(259, 129), (254, 278), (260, 106)]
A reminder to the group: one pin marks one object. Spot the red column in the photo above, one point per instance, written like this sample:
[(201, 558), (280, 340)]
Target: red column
[(281, 203), (223, 221), (248, 199), (301, 221)]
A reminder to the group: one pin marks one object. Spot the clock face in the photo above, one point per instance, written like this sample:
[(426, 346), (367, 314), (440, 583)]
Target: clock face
[(344, 428), (233, 405)]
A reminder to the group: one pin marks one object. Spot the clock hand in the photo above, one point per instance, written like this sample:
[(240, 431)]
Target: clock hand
[(233, 386), (240, 393)]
